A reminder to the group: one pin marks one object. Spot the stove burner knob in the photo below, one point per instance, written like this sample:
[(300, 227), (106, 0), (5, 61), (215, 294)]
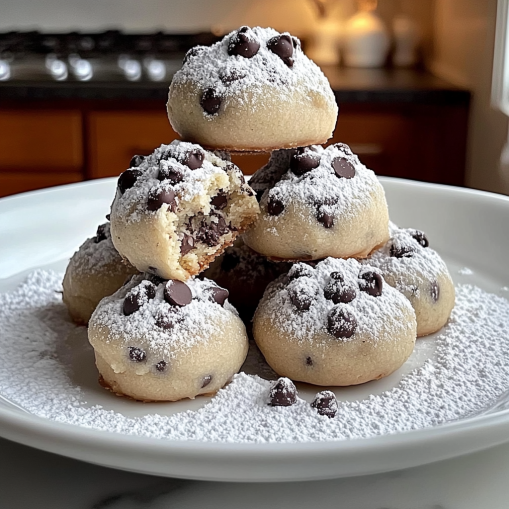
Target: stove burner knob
[(131, 68), (5, 70), (81, 68), (156, 69)]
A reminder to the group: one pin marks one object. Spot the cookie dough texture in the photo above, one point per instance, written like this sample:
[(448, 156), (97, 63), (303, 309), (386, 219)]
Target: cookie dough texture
[(408, 264), (95, 271), (179, 209), (253, 100), (308, 335), (336, 208), (163, 351)]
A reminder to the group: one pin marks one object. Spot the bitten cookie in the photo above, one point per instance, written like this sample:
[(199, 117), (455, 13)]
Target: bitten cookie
[(245, 274), (95, 271), (160, 340), (254, 90), (179, 208), (316, 203), (417, 271), (335, 324)]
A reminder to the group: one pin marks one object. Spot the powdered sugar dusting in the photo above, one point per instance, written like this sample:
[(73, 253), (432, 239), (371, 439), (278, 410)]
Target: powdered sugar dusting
[(245, 78), (469, 375)]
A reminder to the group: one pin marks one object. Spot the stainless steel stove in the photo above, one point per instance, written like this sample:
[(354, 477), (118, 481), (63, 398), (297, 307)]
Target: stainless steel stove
[(110, 56)]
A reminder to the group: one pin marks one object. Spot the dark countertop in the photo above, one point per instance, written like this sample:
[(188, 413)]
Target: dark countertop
[(350, 86)]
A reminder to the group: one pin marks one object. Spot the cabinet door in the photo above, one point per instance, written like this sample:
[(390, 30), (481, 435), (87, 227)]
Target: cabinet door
[(41, 140), (114, 137)]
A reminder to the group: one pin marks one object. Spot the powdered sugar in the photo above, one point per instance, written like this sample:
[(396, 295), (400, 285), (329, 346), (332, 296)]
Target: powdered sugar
[(386, 312), (247, 78), (469, 375), (319, 189)]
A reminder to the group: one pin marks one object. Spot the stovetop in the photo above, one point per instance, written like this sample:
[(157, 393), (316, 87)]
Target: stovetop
[(111, 56)]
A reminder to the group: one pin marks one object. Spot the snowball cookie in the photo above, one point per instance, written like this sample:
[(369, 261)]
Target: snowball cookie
[(178, 209), (254, 90), (417, 271), (95, 271), (245, 274), (158, 340), (335, 324), (316, 203)]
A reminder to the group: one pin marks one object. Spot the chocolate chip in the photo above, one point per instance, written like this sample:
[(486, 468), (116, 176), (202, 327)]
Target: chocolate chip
[(229, 262), (155, 279), (325, 218), (344, 147), (338, 276), (108, 217), (259, 195), (210, 101), (282, 46), (243, 43), (152, 270), (186, 244), (341, 323), (434, 291), (296, 42), (128, 179), (137, 354), (343, 168), (420, 237), (301, 297), (402, 251), (158, 197), (193, 52), (101, 234), (211, 233), (371, 282), (302, 163), (206, 381), (166, 321), (274, 206), (219, 295), (136, 161), (309, 361), (300, 270), (171, 173), (219, 201), (194, 158), (337, 292), (177, 293), (138, 296), (232, 76), (161, 366), (283, 393), (326, 404)]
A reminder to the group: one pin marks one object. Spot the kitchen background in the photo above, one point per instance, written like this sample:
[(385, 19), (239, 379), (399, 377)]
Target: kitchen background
[(432, 120)]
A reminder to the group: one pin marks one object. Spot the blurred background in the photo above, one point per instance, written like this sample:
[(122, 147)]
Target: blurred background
[(420, 83)]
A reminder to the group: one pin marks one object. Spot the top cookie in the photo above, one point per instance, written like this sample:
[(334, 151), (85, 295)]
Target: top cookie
[(254, 90)]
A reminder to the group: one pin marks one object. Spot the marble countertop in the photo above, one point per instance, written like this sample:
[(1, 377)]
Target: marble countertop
[(34, 479)]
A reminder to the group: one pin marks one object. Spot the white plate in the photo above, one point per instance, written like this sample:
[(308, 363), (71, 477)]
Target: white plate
[(468, 228)]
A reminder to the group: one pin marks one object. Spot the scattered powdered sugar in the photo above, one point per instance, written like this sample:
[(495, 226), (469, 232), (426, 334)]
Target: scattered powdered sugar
[(469, 375), (465, 271), (234, 76)]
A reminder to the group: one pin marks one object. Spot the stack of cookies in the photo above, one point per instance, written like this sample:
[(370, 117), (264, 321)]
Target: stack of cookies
[(341, 294)]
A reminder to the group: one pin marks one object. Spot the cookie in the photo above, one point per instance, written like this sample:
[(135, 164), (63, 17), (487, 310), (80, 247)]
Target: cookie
[(245, 274), (95, 271), (254, 90), (158, 340), (316, 203), (338, 323), (408, 264), (177, 209)]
